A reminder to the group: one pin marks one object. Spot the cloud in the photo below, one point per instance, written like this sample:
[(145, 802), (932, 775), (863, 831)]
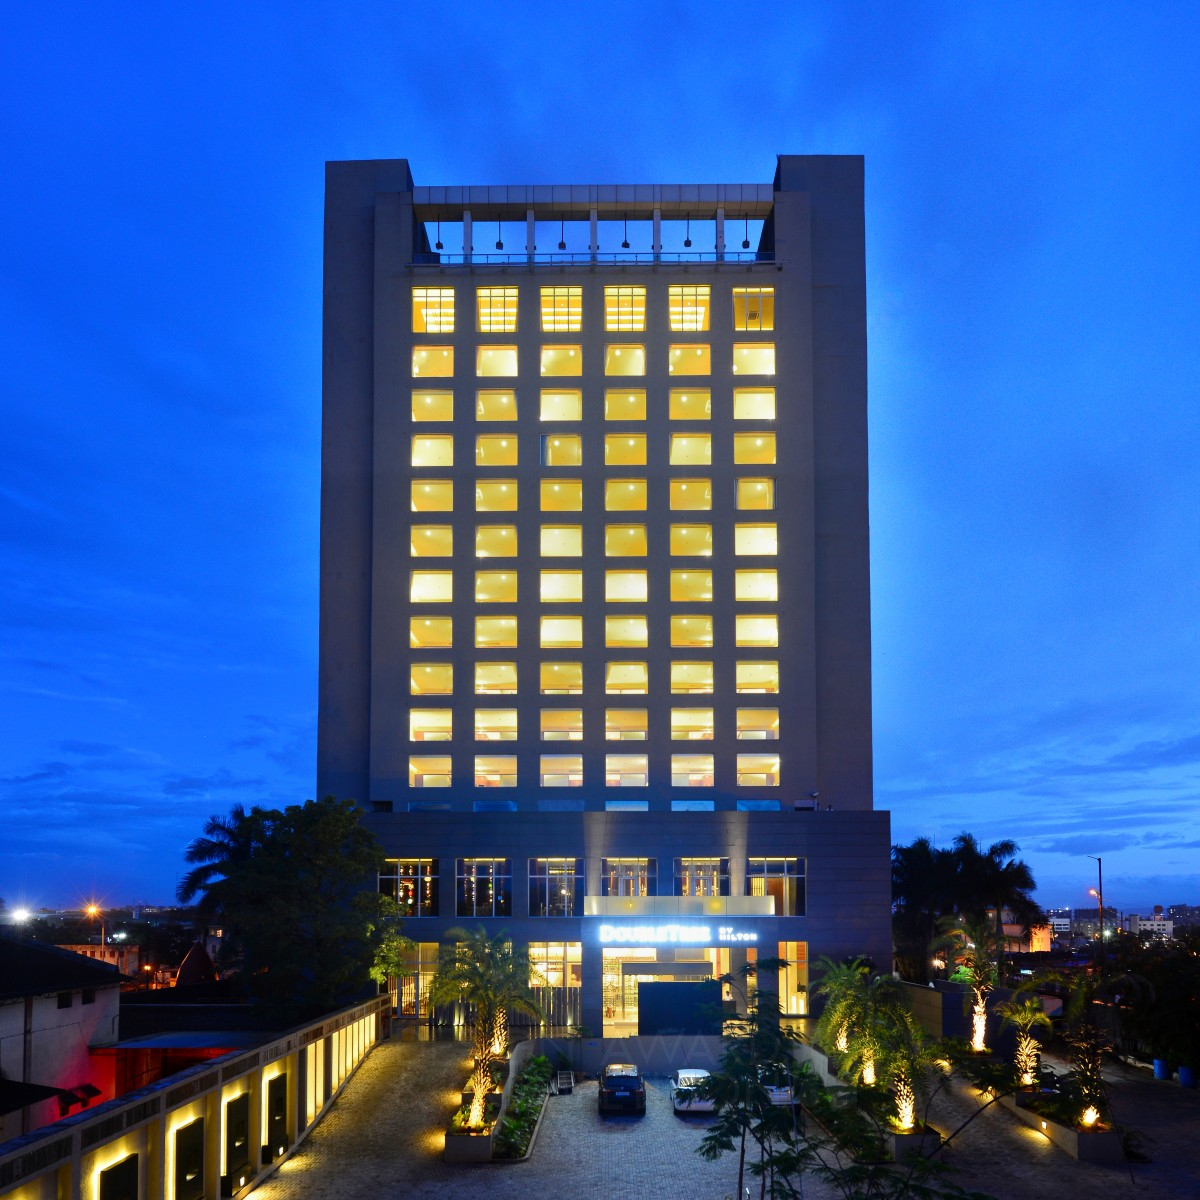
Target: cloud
[(215, 782)]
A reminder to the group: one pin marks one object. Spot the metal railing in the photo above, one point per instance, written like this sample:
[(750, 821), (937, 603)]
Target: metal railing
[(441, 258)]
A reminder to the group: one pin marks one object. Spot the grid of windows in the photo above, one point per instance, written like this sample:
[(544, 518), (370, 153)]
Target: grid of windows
[(780, 878), (555, 888), (483, 887)]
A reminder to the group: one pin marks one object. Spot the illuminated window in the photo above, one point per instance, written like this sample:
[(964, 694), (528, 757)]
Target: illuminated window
[(757, 677), (413, 884), (691, 678), (625, 360), (562, 587), (691, 449), (562, 495), (625, 495), (756, 585), (495, 724), (626, 632), (626, 678), (756, 494), (625, 541), (431, 679), (625, 725), (562, 309), (495, 541), (433, 310), (695, 630), (754, 309), (754, 358), (624, 309), (431, 541), (758, 724), (758, 770), (495, 362), (496, 309), (562, 450), (435, 633), (700, 876), (495, 404), (624, 449), (625, 404), (780, 878), (496, 495), (754, 404), (754, 447), (691, 585), (495, 587), (496, 450), (687, 307), (429, 771), (562, 632), (556, 890), (562, 360), (495, 633), (432, 362), (562, 541), (625, 586), (436, 450), (431, 587), (483, 887), (562, 724), (694, 495), (495, 679), (561, 406), (691, 539), (690, 404), (561, 770), (495, 770), (689, 359), (431, 495), (430, 724), (691, 770), (756, 631), (756, 539), (432, 406), (625, 770), (629, 876), (692, 724)]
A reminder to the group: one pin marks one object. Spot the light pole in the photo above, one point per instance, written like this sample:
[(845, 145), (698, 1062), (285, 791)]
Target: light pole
[(93, 911), (1100, 898)]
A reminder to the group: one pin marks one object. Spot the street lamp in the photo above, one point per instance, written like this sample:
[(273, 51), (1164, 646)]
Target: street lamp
[(93, 911), (1100, 898)]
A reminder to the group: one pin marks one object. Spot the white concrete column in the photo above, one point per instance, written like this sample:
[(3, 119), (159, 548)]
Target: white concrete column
[(467, 247), (530, 246), (720, 234), (656, 240), (594, 235)]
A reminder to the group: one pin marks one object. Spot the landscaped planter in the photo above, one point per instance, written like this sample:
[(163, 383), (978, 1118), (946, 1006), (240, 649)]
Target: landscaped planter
[(1087, 1145), (918, 1143), (469, 1147)]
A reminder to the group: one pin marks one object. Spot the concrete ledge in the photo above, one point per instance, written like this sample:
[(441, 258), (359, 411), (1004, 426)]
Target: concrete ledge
[(920, 1143), (1087, 1145)]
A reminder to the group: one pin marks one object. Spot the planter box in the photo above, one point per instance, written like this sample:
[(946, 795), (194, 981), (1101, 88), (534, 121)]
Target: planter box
[(469, 1147), (918, 1144), (1087, 1145)]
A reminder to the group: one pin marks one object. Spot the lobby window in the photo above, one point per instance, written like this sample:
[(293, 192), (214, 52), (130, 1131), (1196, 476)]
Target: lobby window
[(687, 307), (433, 310), (495, 770), (413, 884), (496, 450), (625, 404), (430, 633), (626, 632), (757, 676), (495, 724), (496, 495), (690, 404), (625, 725), (428, 770), (561, 450), (691, 495), (694, 631), (432, 406), (624, 309), (689, 359), (687, 586), (561, 495), (756, 539), (754, 404), (562, 309), (560, 964), (496, 309), (561, 406), (495, 404), (625, 495), (692, 724), (756, 494), (756, 630), (691, 540), (754, 358), (495, 633), (555, 888), (432, 362), (626, 679), (431, 541), (622, 587), (756, 585), (625, 359), (495, 587), (758, 724), (691, 770), (780, 878), (561, 633), (754, 309), (562, 724), (691, 678), (430, 724), (561, 678), (483, 887), (430, 679), (754, 448), (690, 449), (702, 877), (561, 587), (625, 541), (433, 450), (561, 770), (562, 361), (431, 495), (431, 587), (562, 541), (624, 449), (628, 876), (496, 362), (495, 541), (758, 770), (495, 679)]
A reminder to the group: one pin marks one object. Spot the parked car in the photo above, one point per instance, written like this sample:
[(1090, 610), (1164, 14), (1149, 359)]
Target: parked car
[(777, 1085), (684, 1083), (622, 1089)]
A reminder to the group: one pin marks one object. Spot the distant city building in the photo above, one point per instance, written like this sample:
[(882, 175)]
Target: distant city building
[(1156, 925)]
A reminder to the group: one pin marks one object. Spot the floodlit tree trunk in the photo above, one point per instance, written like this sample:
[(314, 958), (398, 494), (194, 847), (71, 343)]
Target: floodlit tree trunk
[(1026, 1058), (979, 1022)]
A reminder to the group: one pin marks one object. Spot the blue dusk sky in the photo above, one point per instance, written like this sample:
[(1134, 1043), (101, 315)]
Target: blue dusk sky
[(1033, 245)]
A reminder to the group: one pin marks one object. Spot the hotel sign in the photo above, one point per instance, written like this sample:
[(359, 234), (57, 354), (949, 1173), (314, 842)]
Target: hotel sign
[(674, 934)]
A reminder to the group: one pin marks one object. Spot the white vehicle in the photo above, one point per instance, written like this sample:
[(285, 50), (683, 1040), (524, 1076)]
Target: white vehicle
[(683, 1091), (778, 1087)]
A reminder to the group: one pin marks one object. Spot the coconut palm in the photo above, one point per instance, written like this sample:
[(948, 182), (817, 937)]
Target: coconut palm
[(1025, 1015), (970, 941), (923, 879)]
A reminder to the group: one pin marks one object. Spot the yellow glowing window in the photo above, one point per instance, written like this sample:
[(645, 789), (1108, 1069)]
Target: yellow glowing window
[(495, 770), (756, 493), (562, 724), (625, 360), (687, 307), (756, 539), (433, 310), (690, 404), (625, 404), (691, 770), (562, 541), (754, 358), (561, 678), (626, 678), (692, 724), (625, 725), (562, 450), (427, 633), (695, 678), (691, 585), (625, 541), (495, 541), (562, 587), (757, 448), (432, 406), (689, 358), (495, 724), (561, 770), (432, 362), (431, 495), (561, 406), (495, 633), (625, 770), (626, 632), (691, 449), (496, 495), (562, 309), (496, 404), (625, 586), (562, 495), (496, 309), (691, 495), (495, 587), (429, 771), (562, 360), (756, 630), (758, 770), (496, 450), (754, 404), (431, 541), (754, 309), (694, 630), (431, 679), (495, 362), (495, 679), (624, 309), (430, 724), (431, 587), (691, 539), (757, 677), (758, 724), (756, 585), (624, 449), (625, 495), (561, 633), (436, 450)]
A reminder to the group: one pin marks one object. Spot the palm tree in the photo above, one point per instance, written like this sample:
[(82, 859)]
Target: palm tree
[(923, 879), (970, 941), (906, 1056), (1025, 1015)]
